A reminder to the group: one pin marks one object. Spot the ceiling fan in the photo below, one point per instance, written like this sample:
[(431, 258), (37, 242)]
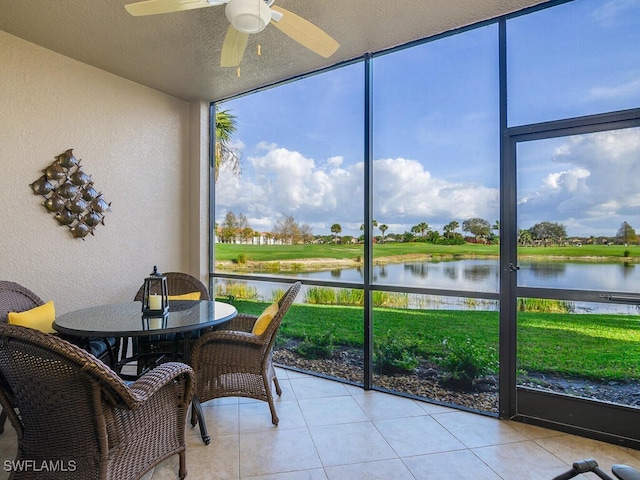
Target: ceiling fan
[(246, 17)]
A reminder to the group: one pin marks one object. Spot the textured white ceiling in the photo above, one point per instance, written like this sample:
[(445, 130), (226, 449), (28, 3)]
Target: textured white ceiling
[(179, 53)]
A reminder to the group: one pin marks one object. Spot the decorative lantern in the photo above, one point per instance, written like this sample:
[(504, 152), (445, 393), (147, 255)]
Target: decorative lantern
[(155, 297)]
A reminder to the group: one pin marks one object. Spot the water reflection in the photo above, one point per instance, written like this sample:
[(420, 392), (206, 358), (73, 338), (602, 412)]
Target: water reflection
[(544, 270), (451, 272), (417, 269), (477, 273), (483, 275)]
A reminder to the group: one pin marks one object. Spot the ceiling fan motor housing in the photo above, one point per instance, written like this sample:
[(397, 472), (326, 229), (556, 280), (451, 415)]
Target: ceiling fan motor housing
[(248, 16)]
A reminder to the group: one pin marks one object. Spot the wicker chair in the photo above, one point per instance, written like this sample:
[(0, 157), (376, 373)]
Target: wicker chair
[(237, 363), (73, 412), (16, 298), (180, 283), (151, 351)]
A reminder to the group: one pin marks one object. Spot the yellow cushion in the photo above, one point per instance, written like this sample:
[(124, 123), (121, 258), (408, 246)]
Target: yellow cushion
[(186, 296), (264, 319), (41, 318)]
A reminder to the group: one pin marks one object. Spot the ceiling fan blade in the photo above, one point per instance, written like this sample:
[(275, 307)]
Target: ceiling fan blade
[(304, 32), (233, 48), (153, 7)]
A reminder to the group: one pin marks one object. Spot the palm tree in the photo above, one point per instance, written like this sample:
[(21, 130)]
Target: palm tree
[(450, 228), (225, 154), (524, 237), (383, 228), (336, 229)]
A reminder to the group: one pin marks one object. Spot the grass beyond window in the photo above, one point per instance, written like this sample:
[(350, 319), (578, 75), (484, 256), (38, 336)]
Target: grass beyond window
[(598, 346), (265, 253)]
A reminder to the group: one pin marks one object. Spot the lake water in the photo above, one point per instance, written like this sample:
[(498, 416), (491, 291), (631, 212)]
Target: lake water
[(483, 275)]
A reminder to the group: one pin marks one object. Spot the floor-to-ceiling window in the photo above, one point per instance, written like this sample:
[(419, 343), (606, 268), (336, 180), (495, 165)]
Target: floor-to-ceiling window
[(435, 218), (289, 202), (495, 167)]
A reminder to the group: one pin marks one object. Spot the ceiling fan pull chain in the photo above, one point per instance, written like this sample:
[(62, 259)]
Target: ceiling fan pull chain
[(238, 71), (259, 52)]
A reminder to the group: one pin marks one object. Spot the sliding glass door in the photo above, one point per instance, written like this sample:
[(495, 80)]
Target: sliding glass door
[(575, 307)]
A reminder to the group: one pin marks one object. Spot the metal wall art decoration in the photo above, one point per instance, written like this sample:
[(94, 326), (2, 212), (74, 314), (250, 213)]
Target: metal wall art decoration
[(70, 195)]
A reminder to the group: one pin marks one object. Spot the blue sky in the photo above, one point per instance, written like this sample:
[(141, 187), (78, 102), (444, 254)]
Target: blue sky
[(436, 135)]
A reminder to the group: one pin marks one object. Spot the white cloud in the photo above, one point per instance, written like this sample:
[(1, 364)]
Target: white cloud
[(595, 187), (591, 185), (324, 192)]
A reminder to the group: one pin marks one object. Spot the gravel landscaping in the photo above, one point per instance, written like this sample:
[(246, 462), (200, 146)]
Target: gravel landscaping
[(429, 382)]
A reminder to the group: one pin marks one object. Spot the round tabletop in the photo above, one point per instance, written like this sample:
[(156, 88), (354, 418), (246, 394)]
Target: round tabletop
[(125, 319)]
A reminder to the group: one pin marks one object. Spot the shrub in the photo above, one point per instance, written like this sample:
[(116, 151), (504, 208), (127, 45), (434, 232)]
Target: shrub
[(236, 290), (465, 362), (321, 346), (544, 305), (393, 356), (280, 341), (242, 259), (277, 293)]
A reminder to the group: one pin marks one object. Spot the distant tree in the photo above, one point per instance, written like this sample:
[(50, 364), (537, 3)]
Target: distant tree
[(408, 236), (524, 237), (548, 232), (450, 228), (287, 230), (242, 227), (336, 229), (306, 233), (246, 233), (383, 228), (421, 228), (433, 236), (374, 223), (478, 227), (229, 228), (626, 234)]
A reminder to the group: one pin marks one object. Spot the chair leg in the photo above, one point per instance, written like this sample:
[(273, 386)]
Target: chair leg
[(182, 469), (272, 406), (197, 409), (277, 384), (271, 372)]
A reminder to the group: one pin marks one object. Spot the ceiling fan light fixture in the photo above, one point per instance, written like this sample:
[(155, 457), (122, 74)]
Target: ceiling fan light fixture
[(248, 16)]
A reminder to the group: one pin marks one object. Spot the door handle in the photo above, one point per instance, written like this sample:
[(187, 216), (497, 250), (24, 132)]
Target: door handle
[(513, 268)]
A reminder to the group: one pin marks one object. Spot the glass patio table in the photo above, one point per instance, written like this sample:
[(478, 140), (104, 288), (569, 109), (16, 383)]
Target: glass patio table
[(124, 321)]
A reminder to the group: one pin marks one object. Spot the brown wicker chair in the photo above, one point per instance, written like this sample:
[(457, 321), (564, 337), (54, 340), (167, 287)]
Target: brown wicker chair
[(74, 413), (236, 363), (16, 298), (180, 283), (152, 351)]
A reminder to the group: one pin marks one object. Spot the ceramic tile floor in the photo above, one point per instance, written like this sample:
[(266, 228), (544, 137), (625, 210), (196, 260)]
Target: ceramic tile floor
[(332, 431)]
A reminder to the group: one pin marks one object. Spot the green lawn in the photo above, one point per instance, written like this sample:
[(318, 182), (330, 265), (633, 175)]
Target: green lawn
[(599, 347), (262, 253)]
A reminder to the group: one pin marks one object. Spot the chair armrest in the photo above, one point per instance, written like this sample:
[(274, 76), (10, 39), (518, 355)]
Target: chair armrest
[(154, 380), (241, 323), (229, 336)]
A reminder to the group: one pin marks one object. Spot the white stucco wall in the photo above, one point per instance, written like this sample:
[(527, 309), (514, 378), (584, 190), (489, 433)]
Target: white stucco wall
[(133, 141)]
